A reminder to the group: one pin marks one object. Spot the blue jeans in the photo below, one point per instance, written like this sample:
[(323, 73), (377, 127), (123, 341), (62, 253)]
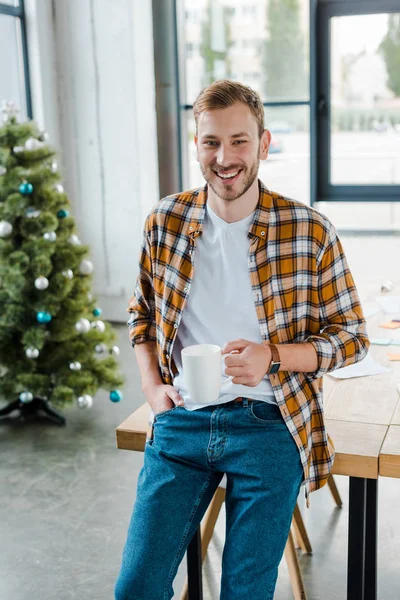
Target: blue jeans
[(183, 466)]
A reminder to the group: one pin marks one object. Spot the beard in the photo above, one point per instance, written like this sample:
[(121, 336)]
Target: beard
[(230, 192)]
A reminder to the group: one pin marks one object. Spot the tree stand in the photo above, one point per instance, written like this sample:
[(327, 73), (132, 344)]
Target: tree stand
[(28, 410)]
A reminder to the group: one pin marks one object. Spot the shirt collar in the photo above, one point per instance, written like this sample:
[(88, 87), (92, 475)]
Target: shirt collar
[(258, 227)]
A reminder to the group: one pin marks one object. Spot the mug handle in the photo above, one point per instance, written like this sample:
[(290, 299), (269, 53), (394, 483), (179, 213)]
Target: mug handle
[(227, 377)]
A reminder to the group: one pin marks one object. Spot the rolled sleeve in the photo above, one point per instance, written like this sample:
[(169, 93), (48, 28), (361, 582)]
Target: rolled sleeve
[(142, 324), (343, 338)]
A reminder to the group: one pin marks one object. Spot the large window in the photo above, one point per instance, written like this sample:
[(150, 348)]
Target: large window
[(264, 44), (14, 76)]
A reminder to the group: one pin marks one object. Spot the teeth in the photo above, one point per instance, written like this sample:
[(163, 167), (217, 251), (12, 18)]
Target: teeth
[(228, 176)]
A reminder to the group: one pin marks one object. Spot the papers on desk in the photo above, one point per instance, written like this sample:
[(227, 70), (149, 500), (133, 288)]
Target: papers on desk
[(367, 366), (389, 304)]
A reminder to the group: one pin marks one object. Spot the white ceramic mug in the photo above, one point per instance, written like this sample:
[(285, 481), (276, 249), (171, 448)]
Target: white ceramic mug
[(203, 372)]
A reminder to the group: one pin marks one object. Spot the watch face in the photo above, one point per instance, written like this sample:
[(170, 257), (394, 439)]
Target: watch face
[(274, 368)]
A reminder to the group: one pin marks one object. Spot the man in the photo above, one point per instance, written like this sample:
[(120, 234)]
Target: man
[(233, 262)]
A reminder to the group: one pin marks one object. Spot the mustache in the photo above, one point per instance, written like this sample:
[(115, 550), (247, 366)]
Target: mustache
[(226, 169)]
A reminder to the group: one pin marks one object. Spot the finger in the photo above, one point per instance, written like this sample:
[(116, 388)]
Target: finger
[(243, 381), (175, 396), (235, 345)]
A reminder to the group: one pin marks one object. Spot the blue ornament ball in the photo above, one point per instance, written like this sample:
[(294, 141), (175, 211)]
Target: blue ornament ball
[(62, 213), (26, 189), (116, 396), (43, 317), (97, 312)]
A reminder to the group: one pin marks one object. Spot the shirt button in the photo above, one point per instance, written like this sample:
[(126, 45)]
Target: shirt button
[(190, 228), (176, 325), (186, 289), (167, 355), (263, 233)]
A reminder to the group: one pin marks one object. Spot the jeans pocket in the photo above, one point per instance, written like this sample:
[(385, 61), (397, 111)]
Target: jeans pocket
[(165, 412), (265, 413)]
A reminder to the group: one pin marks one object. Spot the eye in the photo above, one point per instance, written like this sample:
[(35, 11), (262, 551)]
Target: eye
[(210, 143), (239, 142)]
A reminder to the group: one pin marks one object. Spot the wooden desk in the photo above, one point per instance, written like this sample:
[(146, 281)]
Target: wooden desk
[(360, 415)]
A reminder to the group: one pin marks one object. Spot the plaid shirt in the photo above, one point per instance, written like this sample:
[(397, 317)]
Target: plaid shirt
[(303, 292)]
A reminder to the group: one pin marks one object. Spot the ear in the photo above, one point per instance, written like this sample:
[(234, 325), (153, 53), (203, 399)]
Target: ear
[(264, 144), (195, 138)]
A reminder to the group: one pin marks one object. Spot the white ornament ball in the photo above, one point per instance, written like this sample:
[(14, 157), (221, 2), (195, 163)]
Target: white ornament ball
[(86, 267), (115, 350), (100, 348), (17, 149), (5, 229), (26, 397), (99, 325), (32, 144), (3, 170), (85, 401), (75, 366), (73, 239), (41, 283), (50, 236), (68, 274), (59, 188), (54, 166), (90, 296), (32, 352), (83, 326)]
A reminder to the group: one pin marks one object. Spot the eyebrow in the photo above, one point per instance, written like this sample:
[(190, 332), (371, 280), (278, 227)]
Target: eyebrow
[(235, 135)]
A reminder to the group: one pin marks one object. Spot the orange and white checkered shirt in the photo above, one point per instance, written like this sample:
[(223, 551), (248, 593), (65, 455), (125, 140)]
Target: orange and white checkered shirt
[(304, 289)]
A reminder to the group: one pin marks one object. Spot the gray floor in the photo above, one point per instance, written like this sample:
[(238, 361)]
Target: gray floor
[(66, 494)]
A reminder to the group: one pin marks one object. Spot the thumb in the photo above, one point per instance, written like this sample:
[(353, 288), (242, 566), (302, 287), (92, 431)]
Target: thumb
[(174, 395)]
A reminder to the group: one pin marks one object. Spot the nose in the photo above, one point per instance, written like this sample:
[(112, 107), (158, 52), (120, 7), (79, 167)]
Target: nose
[(224, 156)]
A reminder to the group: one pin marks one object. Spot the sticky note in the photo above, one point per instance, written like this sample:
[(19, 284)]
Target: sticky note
[(393, 356), (390, 325)]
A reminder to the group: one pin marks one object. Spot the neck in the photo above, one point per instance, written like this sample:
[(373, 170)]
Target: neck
[(234, 210)]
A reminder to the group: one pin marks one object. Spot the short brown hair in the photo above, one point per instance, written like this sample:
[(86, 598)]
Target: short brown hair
[(224, 93)]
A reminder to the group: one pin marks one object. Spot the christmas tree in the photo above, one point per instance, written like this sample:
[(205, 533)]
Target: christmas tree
[(54, 349)]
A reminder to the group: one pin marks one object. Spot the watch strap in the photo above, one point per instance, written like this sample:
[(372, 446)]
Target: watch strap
[(275, 359)]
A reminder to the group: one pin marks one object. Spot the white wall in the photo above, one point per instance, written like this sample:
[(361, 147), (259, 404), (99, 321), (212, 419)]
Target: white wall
[(92, 78)]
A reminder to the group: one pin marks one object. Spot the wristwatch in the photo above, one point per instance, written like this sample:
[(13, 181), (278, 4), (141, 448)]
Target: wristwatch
[(275, 363)]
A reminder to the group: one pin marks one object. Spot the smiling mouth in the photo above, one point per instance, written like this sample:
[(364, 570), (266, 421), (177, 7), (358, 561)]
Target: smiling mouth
[(228, 176)]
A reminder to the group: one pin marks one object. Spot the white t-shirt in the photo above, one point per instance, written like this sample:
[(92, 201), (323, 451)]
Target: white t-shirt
[(220, 306)]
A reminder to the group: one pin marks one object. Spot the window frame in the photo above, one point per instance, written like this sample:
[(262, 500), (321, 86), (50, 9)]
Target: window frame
[(19, 13), (322, 188)]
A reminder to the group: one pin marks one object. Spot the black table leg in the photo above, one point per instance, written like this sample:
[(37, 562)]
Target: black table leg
[(357, 538), (371, 530), (195, 582)]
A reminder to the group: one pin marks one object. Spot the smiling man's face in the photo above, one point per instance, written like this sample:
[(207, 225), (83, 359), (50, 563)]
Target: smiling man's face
[(229, 149)]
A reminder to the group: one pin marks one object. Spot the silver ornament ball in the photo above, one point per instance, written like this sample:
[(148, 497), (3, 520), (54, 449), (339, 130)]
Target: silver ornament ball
[(99, 326), (32, 143), (85, 401), (41, 283), (5, 229), (3, 170), (74, 240), (59, 188), (115, 350), (26, 397), (75, 366), (86, 267), (100, 348), (32, 352), (50, 236), (83, 326), (68, 274)]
